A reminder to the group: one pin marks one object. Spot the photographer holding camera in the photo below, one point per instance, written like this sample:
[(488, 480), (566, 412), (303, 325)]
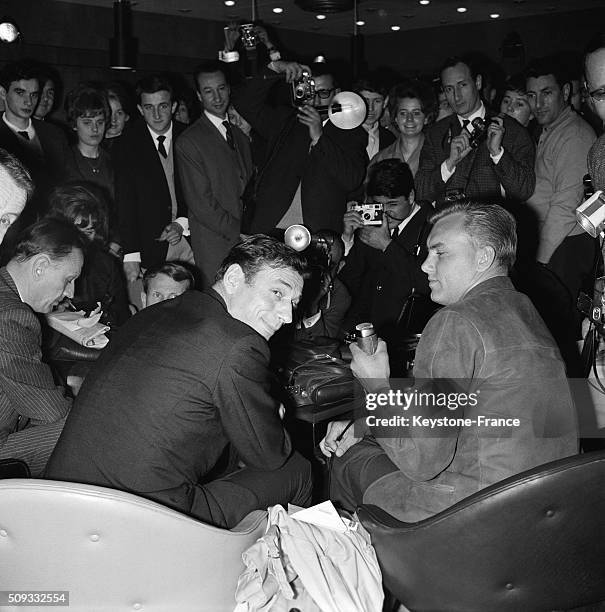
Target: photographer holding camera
[(310, 165), (382, 268), (470, 153)]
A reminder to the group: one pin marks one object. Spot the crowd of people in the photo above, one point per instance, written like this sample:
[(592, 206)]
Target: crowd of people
[(447, 215)]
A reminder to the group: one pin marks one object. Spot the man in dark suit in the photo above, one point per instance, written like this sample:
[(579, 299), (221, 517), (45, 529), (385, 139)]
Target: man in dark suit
[(382, 267), (183, 381), (151, 210), (47, 260), (499, 168), (41, 147), (311, 165), (215, 165)]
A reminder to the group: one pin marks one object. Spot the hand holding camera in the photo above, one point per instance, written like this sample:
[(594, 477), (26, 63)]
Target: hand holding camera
[(292, 70), (351, 221), (308, 115), (376, 236), (495, 133)]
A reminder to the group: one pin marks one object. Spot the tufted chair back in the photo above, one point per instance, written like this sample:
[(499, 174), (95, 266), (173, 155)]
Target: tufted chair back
[(535, 541), (115, 551)]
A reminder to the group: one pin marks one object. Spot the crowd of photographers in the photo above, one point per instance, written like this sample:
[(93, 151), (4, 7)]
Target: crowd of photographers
[(163, 181)]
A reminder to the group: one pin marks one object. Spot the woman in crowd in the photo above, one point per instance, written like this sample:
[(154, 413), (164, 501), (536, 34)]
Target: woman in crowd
[(514, 101), (411, 106), (84, 204), (120, 105)]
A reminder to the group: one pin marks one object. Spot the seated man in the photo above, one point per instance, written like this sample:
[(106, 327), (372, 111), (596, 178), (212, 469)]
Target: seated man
[(491, 342), (382, 267), (164, 282), (47, 260), (181, 382)]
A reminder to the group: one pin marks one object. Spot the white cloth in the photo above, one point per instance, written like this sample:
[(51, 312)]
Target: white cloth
[(87, 331)]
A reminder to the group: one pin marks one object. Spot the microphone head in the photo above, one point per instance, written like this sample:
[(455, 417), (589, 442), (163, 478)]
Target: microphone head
[(297, 237), (347, 111), (596, 163)]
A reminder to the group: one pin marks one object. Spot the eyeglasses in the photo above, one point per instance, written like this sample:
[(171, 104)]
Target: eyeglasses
[(324, 93), (598, 95)]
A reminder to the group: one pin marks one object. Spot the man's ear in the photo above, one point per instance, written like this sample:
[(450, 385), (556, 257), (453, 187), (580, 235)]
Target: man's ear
[(233, 278), (479, 82), (485, 258), (143, 299), (199, 95), (39, 266), (566, 92), (140, 109), (173, 107), (2, 93), (412, 197)]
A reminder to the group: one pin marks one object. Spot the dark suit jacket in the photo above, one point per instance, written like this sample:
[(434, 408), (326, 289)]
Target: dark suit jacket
[(380, 281), (47, 169), (477, 174), (177, 383), (142, 196), (213, 177), (333, 168), (385, 138), (27, 388)]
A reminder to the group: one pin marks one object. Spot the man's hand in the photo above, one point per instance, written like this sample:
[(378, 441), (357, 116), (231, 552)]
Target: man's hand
[(172, 233), (330, 445), (231, 36), (351, 221), (132, 270), (375, 236), (261, 34), (292, 70), (495, 133), (309, 116), (459, 149), (372, 370)]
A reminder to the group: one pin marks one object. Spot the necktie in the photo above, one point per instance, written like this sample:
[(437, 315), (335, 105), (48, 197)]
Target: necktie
[(465, 123), (161, 148), (24, 135), (395, 233), (230, 142)]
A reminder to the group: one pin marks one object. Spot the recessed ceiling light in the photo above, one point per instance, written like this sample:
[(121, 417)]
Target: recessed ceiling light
[(360, 22), (395, 28), (495, 15), (278, 9), (320, 17), (229, 2), (184, 10), (461, 9), (424, 2)]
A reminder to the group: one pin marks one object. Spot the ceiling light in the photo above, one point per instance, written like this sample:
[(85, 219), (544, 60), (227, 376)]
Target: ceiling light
[(461, 9), (320, 17), (395, 28), (278, 9), (123, 46), (360, 23), (495, 15), (424, 2), (229, 2)]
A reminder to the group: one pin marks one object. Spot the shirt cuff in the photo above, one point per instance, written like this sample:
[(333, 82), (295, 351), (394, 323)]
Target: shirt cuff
[(348, 244), (132, 257), (184, 223), (445, 173), (498, 157), (228, 56)]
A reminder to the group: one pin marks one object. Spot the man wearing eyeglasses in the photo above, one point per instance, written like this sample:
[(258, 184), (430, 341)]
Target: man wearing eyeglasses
[(594, 71), (311, 165)]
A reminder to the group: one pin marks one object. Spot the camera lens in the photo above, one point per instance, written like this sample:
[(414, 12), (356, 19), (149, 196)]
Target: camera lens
[(367, 216)]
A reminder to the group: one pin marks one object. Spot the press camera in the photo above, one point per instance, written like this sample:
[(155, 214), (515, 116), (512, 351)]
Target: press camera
[(303, 90), (371, 214)]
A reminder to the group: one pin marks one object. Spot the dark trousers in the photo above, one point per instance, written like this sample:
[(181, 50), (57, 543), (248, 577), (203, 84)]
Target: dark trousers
[(351, 474), (226, 501)]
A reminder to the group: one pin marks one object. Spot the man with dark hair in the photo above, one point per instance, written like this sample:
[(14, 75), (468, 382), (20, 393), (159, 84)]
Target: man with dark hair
[(382, 267), (311, 165), (165, 282), (594, 74), (215, 163), (40, 146), (498, 167), (562, 246), (187, 381), (16, 187), (151, 209), (47, 260), (376, 98), (509, 407)]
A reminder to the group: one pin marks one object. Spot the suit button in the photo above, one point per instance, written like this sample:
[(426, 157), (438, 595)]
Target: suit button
[(378, 287)]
